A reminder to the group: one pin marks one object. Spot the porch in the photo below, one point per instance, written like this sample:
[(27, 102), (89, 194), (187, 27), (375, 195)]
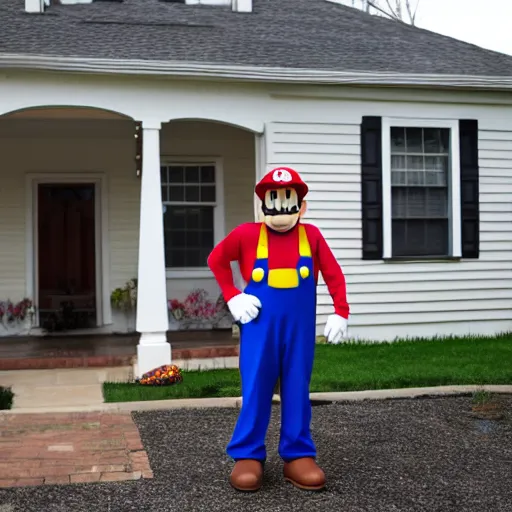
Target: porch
[(95, 200), (83, 351)]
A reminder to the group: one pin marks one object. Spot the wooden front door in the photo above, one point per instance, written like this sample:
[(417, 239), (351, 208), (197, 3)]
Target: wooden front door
[(66, 256)]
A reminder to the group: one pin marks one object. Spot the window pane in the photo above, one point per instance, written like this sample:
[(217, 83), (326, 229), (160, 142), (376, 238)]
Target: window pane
[(208, 174), (163, 174), (398, 140), (192, 174), (193, 218), (192, 193), (437, 202), (207, 238), (165, 193), (436, 140), (414, 163), (177, 237), (175, 216), (188, 235), (398, 162), (193, 238), (175, 258), (176, 174), (203, 255), (193, 258), (420, 237), (419, 202), (436, 163), (414, 140), (176, 193), (208, 194)]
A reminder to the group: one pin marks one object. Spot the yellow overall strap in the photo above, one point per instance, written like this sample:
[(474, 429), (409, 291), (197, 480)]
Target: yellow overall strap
[(262, 250), (304, 247)]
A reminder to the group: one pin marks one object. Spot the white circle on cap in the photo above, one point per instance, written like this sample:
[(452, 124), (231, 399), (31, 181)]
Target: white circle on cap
[(282, 175)]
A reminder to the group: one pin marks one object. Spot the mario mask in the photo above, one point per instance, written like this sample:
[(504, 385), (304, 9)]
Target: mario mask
[(282, 192)]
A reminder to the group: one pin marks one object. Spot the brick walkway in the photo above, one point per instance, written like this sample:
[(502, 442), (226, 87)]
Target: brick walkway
[(70, 448)]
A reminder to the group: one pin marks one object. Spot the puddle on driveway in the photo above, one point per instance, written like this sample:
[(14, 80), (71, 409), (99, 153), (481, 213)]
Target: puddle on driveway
[(486, 427)]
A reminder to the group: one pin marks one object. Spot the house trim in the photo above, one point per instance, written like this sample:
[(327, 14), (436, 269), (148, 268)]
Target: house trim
[(219, 221), (260, 160), (454, 177), (247, 73), (102, 260)]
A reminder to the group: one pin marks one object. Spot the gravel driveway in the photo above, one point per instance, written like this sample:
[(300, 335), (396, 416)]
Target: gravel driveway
[(403, 455)]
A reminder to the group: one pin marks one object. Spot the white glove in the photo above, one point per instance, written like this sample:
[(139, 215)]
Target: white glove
[(335, 329), (244, 307)]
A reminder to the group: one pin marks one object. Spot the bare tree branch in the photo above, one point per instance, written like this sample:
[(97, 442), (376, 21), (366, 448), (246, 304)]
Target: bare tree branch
[(410, 12), (394, 13), (402, 10), (382, 11)]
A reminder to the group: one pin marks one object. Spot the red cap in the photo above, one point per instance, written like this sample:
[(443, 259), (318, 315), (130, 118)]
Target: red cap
[(281, 177)]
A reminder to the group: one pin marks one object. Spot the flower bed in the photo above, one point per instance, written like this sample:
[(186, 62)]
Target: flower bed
[(197, 312), (16, 317)]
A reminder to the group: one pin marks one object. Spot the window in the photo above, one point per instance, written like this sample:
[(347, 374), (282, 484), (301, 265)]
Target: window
[(421, 189), (190, 196), (420, 163)]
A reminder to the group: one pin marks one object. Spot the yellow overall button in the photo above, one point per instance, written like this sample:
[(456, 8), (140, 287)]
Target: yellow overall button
[(304, 272), (258, 274)]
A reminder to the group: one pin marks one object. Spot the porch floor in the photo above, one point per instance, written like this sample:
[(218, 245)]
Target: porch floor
[(80, 351)]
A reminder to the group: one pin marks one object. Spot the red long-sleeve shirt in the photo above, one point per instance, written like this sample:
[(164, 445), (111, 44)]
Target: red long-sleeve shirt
[(283, 252)]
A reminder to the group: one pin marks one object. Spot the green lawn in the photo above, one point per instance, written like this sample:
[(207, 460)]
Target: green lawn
[(358, 366)]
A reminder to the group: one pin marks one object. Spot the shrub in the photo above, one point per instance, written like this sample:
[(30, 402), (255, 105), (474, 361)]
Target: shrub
[(6, 398)]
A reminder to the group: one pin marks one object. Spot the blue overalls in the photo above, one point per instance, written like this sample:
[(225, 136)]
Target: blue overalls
[(280, 342)]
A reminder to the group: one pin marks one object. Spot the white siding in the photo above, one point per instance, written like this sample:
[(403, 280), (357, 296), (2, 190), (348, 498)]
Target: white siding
[(391, 300), (236, 148)]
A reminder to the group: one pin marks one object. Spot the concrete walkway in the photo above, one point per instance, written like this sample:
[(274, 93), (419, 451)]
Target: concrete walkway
[(51, 390), (82, 393)]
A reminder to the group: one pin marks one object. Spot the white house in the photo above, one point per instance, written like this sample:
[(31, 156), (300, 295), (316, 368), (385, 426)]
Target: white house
[(404, 136)]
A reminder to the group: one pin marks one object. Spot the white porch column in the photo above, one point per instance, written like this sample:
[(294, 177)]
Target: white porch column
[(152, 316)]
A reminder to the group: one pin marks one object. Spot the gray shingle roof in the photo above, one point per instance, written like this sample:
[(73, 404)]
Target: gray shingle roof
[(313, 34)]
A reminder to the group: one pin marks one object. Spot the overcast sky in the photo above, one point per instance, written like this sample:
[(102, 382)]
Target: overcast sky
[(486, 23)]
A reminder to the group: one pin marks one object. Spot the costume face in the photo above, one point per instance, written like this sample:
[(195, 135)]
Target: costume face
[(282, 208)]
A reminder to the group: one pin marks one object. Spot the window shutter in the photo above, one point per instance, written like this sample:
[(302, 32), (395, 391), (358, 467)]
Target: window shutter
[(371, 187), (469, 188)]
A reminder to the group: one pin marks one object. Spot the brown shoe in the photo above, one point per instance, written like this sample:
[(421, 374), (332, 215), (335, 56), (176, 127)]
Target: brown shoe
[(247, 475), (305, 474)]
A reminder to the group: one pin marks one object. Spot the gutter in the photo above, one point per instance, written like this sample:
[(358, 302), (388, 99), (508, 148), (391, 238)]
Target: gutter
[(246, 73)]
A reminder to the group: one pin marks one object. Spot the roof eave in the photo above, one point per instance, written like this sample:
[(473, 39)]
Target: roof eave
[(247, 73)]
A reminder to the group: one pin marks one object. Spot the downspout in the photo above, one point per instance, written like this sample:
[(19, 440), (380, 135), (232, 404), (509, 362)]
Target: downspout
[(35, 6), (242, 5)]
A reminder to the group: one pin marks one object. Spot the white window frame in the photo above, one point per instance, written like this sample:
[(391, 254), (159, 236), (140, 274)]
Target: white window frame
[(218, 209), (455, 240)]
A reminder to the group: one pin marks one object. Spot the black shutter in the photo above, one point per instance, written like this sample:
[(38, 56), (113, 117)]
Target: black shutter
[(469, 188), (371, 187)]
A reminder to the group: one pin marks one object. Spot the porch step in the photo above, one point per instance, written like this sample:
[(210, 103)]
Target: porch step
[(95, 351), (102, 361), (51, 363)]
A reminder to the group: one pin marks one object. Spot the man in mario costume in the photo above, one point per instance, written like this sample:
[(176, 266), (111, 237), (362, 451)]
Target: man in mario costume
[(280, 259)]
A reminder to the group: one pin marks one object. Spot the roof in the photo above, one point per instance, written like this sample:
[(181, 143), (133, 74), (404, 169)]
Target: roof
[(306, 34)]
